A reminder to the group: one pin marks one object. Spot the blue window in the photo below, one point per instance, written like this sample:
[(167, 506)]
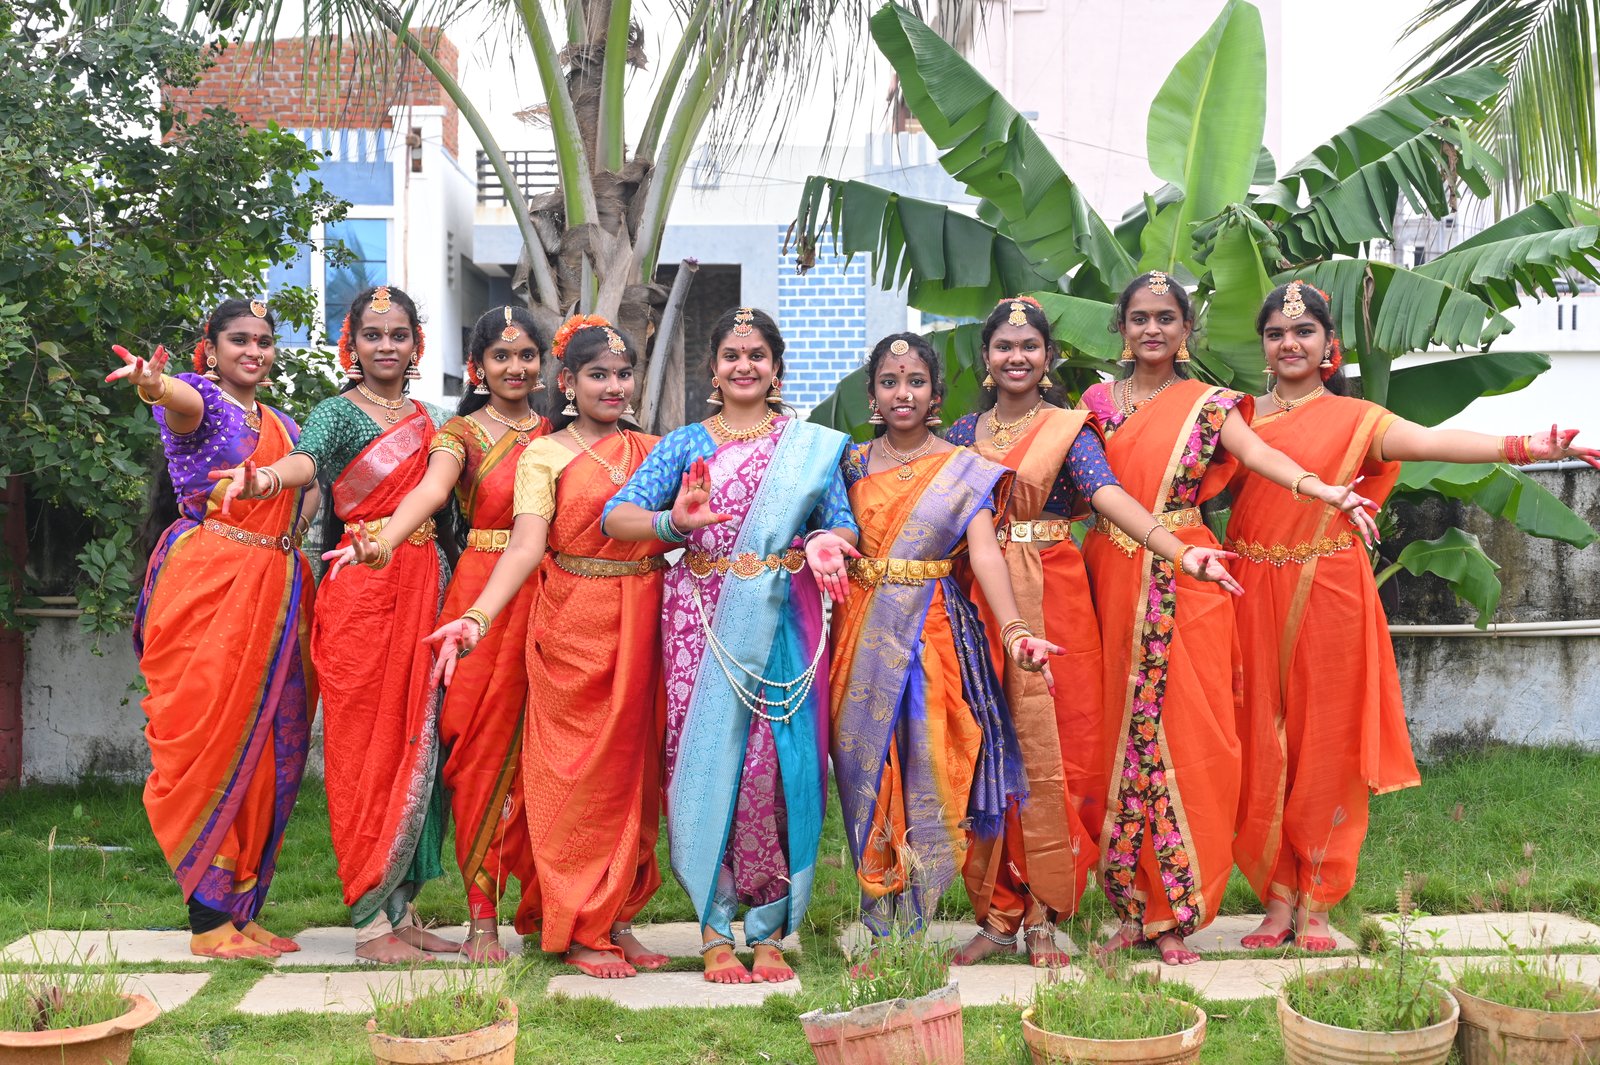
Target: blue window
[(367, 241)]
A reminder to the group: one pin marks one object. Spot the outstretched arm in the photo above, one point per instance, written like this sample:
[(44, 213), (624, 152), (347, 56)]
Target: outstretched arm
[(183, 405), (1201, 563), (1262, 458), (1409, 442)]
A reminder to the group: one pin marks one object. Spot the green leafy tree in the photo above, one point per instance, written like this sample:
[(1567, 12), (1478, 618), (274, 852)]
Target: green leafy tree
[(123, 223), (1231, 227)]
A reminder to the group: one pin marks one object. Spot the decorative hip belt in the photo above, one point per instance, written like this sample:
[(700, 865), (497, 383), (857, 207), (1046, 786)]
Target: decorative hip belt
[(744, 566), (579, 566), (285, 543), (1172, 521), (423, 535), (488, 539), (870, 572), (1034, 532), (1299, 554)]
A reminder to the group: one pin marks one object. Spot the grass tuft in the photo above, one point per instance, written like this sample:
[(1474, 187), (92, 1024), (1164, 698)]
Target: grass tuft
[(1098, 1007)]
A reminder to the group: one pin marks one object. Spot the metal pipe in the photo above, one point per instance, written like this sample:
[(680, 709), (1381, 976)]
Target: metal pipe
[(1508, 628)]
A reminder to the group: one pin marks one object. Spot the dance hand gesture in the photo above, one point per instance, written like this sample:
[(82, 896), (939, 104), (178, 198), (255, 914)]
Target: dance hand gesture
[(248, 483), (362, 549), (144, 373), (1358, 508), (1031, 653), (692, 509), (1558, 445), (1206, 564), (453, 641), (826, 553)]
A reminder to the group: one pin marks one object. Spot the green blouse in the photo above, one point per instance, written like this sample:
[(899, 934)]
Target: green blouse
[(338, 430)]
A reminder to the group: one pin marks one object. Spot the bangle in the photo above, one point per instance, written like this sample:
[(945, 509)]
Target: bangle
[(481, 618), (1515, 450), (385, 553), (1177, 560), (665, 531), (1145, 543), (158, 397), (810, 535), (302, 524), (1294, 487), (277, 482), (1014, 639)]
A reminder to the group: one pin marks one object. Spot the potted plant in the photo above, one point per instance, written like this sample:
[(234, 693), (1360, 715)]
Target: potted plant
[(67, 1017), (460, 1020), (1515, 1010), (1392, 1010), (896, 1006), (1099, 1019)]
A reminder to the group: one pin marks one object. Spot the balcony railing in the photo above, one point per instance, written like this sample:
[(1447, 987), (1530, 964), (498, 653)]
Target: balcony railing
[(534, 170)]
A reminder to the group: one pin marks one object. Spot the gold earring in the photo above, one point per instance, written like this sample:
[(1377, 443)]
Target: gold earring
[(1183, 351), (1127, 350), (933, 421), (571, 409), (412, 373), (988, 380), (211, 369), (877, 415), (715, 398), (628, 411)]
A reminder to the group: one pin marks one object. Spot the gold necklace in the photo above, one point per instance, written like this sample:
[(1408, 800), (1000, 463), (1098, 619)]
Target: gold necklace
[(1003, 434), (906, 458), (759, 429), (522, 428), (1287, 405), (618, 474), (252, 415), (391, 407), (1126, 404)]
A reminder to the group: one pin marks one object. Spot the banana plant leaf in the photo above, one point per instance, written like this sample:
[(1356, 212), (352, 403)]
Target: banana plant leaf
[(1429, 394), (1503, 491), (1238, 283), (1499, 271), (1082, 327), (1458, 558), (846, 409)]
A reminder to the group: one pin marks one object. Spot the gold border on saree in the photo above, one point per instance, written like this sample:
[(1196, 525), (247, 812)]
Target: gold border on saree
[(744, 566), (488, 539), (424, 534), (871, 572), (581, 566), (1300, 553), (1172, 521), (285, 543), (1051, 531)]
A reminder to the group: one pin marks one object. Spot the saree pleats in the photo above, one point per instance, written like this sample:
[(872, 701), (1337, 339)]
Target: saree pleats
[(591, 755), (221, 629), (1317, 740), (380, 720)]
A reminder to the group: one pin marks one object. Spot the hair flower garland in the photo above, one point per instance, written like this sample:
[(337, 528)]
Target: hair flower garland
[(558, 346)]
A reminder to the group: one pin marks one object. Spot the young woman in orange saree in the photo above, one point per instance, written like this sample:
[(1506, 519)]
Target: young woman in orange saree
[(221, 631), (1172, 658), (591, 756), (380, 711), (1033, 872), (1312, 760), (475, 455)]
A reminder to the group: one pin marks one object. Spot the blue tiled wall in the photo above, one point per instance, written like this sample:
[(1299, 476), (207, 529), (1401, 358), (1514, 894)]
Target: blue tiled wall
[(823, 315)]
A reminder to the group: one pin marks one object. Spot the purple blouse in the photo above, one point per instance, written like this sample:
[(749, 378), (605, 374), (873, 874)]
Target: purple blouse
[(1085, 472), (221, 440)]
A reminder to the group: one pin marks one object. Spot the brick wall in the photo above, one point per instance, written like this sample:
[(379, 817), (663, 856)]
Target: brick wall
[(301, 87), (823, 315)]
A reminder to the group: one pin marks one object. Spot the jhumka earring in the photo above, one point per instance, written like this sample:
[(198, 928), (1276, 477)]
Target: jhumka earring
[(1183, 351), (988, 380), (629, 412), (211, 369), (482, 388), (775, 393), (715, 398), (877, 415), (355, 373), (571, 409), (933, 421), (1127, 351), (414, 374)]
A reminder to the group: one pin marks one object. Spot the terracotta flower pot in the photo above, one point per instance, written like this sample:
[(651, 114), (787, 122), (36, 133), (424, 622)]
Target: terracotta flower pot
[(1494, 1034), (924, 1030), (107, 1043), (1178, 1048), (493, 1045), (1308, 1042)]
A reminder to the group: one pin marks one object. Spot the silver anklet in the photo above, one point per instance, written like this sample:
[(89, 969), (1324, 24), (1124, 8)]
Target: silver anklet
[(775, 944), (625, 930), (719, 941), (996, 938)]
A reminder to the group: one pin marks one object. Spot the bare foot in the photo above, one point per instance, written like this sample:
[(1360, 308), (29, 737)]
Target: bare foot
[(600, 964), (724, 967), (1314, 934), (228, 943), (1043, 951), (769, 966), (634, 951), (391, 950), (1126, 938), (1174, 951), (980, 947), (423, 939), (483, 945), (1275, 929), (281, 944)]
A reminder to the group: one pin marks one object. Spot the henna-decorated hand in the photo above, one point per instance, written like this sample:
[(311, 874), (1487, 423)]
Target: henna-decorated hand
[(143, 373), (1207, 564), (826, 553), (453, 641), (692, 509), (1558, 445), (1031, 653)]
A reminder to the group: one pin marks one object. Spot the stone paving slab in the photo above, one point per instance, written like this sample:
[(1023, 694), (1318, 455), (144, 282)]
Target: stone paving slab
[(337, 946), (1226, 934), (167, 990), (96, 947), (344, 992), (653, 990), (991, 985), (1239, 979), (949, 933), (1477, 931), (681, 939)]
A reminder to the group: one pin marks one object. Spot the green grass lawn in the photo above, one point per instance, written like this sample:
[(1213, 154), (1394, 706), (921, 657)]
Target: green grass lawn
[(1505, 829)]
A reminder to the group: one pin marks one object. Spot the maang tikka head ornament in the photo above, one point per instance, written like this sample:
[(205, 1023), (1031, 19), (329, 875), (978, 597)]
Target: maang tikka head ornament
[(1019, 313), (510, 332), (1158, 283), (742, 319), (258, 308), (614, 342), (900, 347), (1294, 304), (380, 300)]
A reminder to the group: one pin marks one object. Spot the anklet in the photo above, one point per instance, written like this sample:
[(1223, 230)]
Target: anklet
[(775, 944), (996, 938), (719, 941)]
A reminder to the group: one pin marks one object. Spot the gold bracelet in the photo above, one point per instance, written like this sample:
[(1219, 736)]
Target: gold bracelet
[(385, 553), (1145, 543), (277, 482), (1294, 488), (161, 395), (481, 618)]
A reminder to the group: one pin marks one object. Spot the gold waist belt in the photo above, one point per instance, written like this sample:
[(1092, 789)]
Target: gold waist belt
[(283, 543), (744, 566), (869, 572), (1172, 521), (423, 535), (1034, 532), (488, 539), (1299, 554), (579, 566)]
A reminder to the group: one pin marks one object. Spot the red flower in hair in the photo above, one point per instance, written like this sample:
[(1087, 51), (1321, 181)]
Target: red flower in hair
[(1335, 358), (558, 346), (200, 356)]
